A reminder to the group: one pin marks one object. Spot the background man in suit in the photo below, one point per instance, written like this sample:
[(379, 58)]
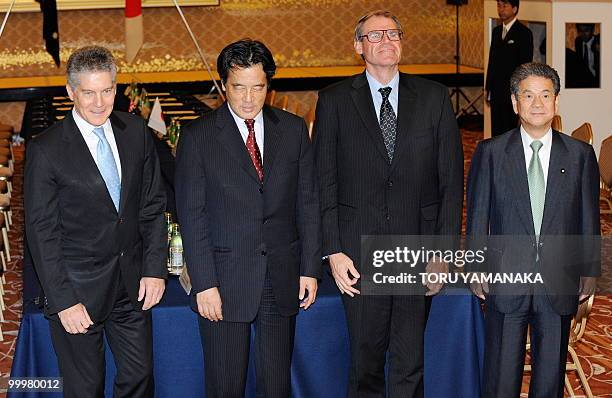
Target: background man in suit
[(248, 205), (95, 226), (543, 185), (389, 159), (511, 46), (587, 50)]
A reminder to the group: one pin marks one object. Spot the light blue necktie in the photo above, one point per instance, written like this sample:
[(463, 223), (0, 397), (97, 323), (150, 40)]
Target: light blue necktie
[(107, 166)]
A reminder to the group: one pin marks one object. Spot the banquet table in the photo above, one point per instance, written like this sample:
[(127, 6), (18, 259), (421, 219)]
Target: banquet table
[(454, 345)]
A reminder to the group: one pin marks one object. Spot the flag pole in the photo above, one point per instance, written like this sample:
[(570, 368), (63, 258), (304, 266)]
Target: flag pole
[(8, 12), (195, 42)]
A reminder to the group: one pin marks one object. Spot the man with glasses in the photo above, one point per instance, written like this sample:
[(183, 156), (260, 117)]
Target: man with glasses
[(538, 188), (390, 162)]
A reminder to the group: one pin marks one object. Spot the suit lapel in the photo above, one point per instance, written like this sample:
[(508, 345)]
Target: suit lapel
[(362, 98), (517, 171), (405, 116), (229, 137), (556, 180), (272, 135), (121, 139), (79, 154)]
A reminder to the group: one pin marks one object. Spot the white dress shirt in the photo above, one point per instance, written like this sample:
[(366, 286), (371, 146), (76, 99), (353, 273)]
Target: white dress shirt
[(377, 96), (244, 131), (91, 139), (544, 151), (507, 27)]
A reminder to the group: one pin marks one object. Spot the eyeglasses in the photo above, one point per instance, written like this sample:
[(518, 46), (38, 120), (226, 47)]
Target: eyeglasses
[(376, 36)]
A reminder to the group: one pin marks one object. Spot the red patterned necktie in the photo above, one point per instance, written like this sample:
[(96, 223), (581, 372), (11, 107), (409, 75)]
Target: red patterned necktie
[(253, 148)]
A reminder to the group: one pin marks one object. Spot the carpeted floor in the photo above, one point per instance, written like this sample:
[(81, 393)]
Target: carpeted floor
[(595, 350)]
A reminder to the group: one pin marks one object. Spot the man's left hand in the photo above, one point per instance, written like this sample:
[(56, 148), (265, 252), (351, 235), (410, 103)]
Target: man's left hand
[(152, 290), (435, 266), (307, 284)]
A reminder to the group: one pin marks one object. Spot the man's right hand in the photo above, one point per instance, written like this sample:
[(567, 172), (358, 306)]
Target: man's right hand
[(209, 304), (75, 319), (344, 272)]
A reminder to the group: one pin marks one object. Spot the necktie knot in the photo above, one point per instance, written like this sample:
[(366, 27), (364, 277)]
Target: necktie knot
[(99, 132), (250, 123), (535, 146), (385, 91)]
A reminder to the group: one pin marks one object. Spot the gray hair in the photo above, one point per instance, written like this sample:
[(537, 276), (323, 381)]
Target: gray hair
[(534, 69), (90, 59), (377, 13)]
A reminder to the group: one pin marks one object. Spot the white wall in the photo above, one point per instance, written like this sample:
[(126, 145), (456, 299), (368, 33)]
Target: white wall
[(585, 105)]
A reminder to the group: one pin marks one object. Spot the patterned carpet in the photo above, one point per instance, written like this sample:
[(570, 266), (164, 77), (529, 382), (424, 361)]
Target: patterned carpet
[(595, 350)]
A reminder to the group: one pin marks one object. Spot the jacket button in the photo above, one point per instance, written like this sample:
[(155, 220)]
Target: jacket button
[(263, 253), (121, 254), (389, 183), (388, 217), (121, 220), (261, 190)]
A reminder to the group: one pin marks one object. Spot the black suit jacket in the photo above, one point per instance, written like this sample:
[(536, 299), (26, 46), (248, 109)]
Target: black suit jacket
[(505, 56), (235, 228), (419, 192), (498, 204), (595, 48), (81, 246)]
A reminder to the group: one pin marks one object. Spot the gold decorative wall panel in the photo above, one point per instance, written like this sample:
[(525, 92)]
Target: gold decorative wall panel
[(299, 33)]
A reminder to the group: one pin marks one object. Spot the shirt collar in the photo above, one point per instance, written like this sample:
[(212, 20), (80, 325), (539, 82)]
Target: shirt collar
[(84, 126), (509, 24), (375, 84), (240, 121), (546, 140)]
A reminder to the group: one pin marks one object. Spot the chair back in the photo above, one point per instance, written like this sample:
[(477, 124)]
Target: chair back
[(270, 97), (584, 133), (310, 118), (556, 123)]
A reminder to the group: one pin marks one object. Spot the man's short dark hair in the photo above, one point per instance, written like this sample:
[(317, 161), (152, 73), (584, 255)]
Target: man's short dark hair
[(244, 54), (586, 27), (513, 3), (89, 59), (533, 69)]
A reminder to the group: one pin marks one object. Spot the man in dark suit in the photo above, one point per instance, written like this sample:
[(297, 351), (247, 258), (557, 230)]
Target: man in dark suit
[(95, 227), (248, 206), (587, 50), (390, 161), (538, 191), (511, 46)]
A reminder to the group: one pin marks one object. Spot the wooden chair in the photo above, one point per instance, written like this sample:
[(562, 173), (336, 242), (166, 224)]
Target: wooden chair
[(556, 123), (605, 172), (577, 328), (270, 97), (584, 133), (294, 107), (283, 102), (310, 118)]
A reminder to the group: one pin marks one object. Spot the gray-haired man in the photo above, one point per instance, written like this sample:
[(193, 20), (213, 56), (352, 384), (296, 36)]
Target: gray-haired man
[(94, 219)]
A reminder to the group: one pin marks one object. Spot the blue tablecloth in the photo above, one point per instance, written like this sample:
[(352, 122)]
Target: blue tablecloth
[(453, 348)]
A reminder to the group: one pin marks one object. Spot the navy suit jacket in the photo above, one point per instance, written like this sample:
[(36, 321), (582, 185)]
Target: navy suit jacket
[(234, 228), (498, 204)]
